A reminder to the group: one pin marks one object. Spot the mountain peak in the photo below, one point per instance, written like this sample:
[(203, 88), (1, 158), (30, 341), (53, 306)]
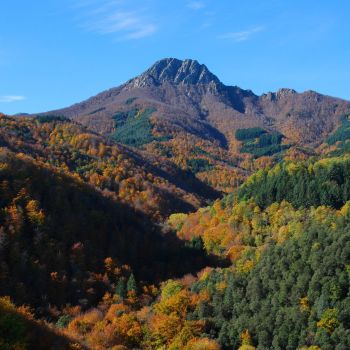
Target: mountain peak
[(175, 71)]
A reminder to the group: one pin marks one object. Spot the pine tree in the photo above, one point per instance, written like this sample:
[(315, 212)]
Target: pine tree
[(120, 288), (131, 285)]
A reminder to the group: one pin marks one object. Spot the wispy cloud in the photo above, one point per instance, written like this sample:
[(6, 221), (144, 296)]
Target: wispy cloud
[(195, 5), (114, 17), (242, 35), (11, 98), (145, 30)]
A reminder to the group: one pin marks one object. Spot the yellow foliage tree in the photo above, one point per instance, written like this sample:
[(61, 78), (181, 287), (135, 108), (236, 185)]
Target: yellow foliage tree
[(202, 344)]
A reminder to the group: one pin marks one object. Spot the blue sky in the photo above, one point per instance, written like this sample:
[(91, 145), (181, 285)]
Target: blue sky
[(54, 53)]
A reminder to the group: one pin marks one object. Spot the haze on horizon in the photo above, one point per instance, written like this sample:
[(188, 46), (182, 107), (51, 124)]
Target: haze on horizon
[(53, 54)]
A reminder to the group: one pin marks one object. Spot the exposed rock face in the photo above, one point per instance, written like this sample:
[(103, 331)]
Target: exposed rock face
[(177, 72), (189, 98), (285, 92)]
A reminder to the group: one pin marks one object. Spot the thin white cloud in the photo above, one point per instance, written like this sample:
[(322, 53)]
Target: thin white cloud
[(196, 5), (113, 17), (146, 30), (242, 35), (11, 98)]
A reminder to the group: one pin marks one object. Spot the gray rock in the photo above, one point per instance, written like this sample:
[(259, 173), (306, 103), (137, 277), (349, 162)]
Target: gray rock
[(176, 72)]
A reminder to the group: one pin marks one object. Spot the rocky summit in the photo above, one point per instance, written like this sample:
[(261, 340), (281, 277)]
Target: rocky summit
[(175, 71)]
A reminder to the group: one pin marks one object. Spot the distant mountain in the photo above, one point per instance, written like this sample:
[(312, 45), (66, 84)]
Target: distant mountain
[(187, 95), (94, 217), (181, 111)]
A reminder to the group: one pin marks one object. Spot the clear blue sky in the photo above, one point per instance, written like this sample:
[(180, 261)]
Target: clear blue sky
[(57, 52)]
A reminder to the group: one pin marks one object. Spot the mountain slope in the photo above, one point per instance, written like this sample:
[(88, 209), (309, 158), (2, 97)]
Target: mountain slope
[(287, 286), (179, 110), (154, 187), (57, 234), (19, 330), (69, 200), (188, 96)]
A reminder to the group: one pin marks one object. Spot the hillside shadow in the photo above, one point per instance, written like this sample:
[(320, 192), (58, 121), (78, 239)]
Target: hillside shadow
[(81, 229), (219, 136)]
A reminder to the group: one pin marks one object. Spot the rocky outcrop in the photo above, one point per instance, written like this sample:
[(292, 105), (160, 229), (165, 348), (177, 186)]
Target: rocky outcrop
[(176, 72)]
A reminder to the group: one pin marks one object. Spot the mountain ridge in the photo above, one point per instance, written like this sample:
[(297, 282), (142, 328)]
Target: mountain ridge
[(180, 111), (170, 82), (187, 71)]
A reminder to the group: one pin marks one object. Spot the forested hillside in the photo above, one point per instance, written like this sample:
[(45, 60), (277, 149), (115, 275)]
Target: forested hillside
[(286, 232), (78, 215), (58, 234), (287, 286), (93, 259), (20, 330), (324, 182), (181, 214), (154, 187)]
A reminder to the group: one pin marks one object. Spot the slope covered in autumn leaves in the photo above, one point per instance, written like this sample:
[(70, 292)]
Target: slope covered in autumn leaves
[(262, 207), (57, 232), (287, 286), (153, 187), (19, 330), (94, 223)]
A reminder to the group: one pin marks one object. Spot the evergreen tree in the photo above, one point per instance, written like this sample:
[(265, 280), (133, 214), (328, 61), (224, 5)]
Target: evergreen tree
[(120, 289), (131, 284)]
